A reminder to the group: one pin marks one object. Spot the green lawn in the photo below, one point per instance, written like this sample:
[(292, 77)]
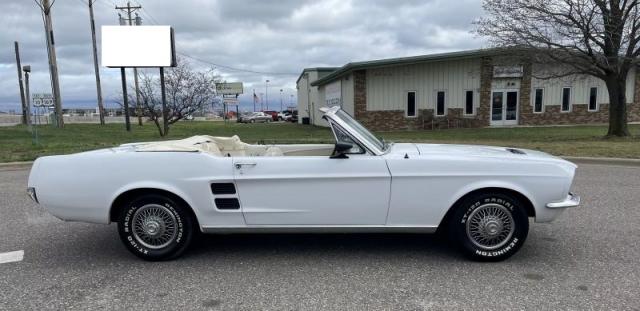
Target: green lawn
[(16, 143)]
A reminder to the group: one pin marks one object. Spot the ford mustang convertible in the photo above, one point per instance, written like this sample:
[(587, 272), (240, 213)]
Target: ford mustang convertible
[(163, 194)]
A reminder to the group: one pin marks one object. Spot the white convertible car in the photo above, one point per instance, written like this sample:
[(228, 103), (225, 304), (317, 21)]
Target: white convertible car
[(161, 194)]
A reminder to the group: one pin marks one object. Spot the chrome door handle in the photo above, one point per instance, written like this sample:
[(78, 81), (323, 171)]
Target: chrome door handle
[(240, 165)]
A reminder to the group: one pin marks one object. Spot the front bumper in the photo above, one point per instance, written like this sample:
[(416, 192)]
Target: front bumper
[(571, 200)]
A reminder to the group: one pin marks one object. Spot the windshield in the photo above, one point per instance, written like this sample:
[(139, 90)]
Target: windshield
[(372, 139)]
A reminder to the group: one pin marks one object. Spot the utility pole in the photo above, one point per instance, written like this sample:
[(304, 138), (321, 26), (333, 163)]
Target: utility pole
[(32, 129), (27, 71), (280, 100), (45, 7), (128, 10), (25, 115), (95, 61), (261, 101)]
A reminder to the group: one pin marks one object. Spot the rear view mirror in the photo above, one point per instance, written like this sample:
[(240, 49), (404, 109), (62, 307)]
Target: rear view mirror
[(340, 150)]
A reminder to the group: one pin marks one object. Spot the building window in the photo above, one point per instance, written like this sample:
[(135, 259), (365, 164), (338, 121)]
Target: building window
[(411, 104), (538, 104), (468, 106), (440, 103), (593, 99), (566, 99)]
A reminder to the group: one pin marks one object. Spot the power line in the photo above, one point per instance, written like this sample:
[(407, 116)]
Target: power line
[(236, 69), (153, 20), (149, 15)]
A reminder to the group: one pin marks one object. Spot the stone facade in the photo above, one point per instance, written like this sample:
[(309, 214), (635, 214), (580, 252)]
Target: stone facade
[(486, 74), (395, 120)]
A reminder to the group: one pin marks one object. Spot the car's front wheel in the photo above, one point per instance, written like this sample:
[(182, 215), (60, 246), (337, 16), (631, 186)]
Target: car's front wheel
[(489, 226), (155, 227)]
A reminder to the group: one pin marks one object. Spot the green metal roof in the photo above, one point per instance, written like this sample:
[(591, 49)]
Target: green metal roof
[(322, 69), (403, 61)]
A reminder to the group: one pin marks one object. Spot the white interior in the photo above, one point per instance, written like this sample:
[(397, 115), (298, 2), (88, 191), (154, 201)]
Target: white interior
[(233, 146)]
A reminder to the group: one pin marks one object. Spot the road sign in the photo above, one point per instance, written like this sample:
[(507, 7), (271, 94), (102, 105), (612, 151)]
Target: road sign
[(229, 88), (231, 101), (42, 100)]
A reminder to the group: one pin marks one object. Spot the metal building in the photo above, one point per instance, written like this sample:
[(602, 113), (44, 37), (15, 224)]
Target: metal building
[(474, 88)]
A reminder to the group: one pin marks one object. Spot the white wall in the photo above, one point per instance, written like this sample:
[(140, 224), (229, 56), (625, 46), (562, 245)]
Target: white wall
[(580, 87), (347, 94), (311, 98), (387, 87), (303, 91)]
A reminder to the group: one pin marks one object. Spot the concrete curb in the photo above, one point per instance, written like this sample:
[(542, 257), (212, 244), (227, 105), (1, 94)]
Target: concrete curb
[(604, 161), (16, 165)]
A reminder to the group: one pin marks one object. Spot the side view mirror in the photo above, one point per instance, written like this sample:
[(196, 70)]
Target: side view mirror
[(340, 150)]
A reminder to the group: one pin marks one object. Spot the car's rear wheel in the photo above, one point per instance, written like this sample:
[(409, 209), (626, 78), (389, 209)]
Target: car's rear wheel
[(155, 227), (252, 121), (489, 226)]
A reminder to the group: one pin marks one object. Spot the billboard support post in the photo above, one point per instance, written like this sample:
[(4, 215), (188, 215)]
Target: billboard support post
[(139, 47), (163, 91), (125, 99)]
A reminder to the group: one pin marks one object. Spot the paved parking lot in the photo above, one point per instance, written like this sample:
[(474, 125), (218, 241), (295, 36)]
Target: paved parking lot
[(588, 259)]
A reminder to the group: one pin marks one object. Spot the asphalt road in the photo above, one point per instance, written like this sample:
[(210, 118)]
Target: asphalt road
[(588, 259)]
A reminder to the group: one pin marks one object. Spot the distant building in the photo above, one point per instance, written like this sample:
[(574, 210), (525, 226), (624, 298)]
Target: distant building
[(309, 99), (475, 88)]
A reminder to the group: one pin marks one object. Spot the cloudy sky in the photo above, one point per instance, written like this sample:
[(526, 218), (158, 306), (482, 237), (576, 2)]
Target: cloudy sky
[(271, 40)]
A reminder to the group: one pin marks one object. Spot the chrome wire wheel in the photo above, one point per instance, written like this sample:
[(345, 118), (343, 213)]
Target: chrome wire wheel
[(490, 226), (154, 226)]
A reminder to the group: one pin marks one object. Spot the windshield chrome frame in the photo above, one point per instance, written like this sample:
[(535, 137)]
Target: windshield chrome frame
[(330, 113)]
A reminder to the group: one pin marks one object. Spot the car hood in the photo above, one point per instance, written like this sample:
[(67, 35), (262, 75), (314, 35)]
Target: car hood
[(477, 151)]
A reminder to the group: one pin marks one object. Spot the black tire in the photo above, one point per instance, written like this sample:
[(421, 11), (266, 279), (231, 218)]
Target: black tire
[(167, 211), (481, 228), (252, 121)]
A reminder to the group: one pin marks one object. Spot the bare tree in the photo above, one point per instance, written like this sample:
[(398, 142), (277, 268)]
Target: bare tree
[(591, 37), (188, 91)]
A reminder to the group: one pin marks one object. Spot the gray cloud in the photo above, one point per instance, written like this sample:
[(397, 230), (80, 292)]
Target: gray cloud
[(264, 36)]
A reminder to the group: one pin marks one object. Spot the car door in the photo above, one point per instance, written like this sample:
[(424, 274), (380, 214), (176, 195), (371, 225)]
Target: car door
[(319, 190)]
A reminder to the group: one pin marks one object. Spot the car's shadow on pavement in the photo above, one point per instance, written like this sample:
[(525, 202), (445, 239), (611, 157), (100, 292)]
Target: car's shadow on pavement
[(102, 244), (312, 245)]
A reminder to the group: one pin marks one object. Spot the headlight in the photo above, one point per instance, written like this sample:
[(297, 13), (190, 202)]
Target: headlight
[(32, 194)]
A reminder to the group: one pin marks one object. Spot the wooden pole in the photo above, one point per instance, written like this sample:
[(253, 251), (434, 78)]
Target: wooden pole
[(28, 100), (95, 62), (130, 9), (53, 63), (25, 114)]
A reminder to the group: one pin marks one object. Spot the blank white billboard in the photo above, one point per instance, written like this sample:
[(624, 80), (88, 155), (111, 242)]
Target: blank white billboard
[(138, 46)]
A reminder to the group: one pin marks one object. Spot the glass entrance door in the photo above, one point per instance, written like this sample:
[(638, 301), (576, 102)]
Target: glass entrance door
[(504, 108)]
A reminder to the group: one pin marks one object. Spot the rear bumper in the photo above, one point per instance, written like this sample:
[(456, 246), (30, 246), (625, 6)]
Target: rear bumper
[(571, 200)]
